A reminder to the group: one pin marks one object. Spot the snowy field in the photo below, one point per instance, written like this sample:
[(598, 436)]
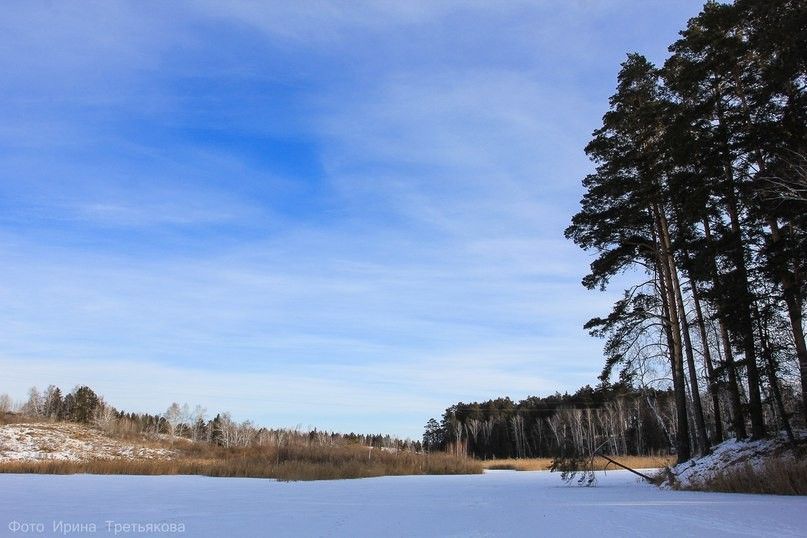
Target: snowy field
[(499, 503)]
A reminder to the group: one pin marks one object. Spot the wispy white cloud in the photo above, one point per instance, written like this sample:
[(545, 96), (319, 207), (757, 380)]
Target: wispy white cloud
[(401, 250), (473, 153)]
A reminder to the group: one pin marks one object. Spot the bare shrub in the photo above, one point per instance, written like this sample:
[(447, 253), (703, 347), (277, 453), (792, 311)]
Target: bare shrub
[(5, 404)]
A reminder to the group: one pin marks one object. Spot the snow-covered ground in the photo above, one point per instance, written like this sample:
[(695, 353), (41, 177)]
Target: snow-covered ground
[(67, 442), (499, 503), (730, 455)]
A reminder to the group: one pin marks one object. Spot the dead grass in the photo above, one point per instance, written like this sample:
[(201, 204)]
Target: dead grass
[(283, 463), (18, 418), (777, 477), (543, 464), (518, 464)]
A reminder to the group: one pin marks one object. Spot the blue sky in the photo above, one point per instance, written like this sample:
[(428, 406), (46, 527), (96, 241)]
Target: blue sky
[(346, 215)]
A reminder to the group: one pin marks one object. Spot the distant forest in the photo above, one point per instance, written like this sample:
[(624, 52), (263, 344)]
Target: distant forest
[(615, 419), (84, 406), (629, 422), (699, 201)]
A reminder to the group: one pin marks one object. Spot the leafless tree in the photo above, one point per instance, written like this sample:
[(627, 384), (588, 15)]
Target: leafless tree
[(5, 403), (105, 416), (791, 183), (173, 417), (34, 405), (197, 421)]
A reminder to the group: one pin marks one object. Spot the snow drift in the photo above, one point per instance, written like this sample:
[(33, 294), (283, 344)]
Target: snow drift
[(728, 457)]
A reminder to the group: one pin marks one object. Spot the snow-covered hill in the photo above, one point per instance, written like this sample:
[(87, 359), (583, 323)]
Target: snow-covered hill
[(728, 456), (67, 442)]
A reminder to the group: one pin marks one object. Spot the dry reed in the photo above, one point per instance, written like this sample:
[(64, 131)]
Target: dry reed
[(777, 477), (283, 463), (543, 464)]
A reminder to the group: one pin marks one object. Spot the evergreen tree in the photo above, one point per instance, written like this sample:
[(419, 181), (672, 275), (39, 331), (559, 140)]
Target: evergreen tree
[(625, 216), (83, 404)]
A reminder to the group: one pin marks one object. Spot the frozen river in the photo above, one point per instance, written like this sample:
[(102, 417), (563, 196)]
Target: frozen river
[(494, 504)]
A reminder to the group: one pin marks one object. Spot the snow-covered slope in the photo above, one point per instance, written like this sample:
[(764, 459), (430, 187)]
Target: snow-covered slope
[(725, 457), (67, 442)]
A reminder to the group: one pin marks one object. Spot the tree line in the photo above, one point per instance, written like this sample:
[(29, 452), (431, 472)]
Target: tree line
[(83, 405), (612, 418), (617, 419)]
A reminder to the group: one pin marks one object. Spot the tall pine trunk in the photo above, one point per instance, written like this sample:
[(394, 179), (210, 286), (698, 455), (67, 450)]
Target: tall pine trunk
[(697, 407), (738, 418), (714, 386), (673, 332), (777, 393), (743, 293), (793, 300)]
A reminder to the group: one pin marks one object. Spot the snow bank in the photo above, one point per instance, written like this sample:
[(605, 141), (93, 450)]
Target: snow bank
[(725, 457), (66, 442)]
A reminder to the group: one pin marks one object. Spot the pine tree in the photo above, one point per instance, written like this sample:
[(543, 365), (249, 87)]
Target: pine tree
[(625, 216)]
